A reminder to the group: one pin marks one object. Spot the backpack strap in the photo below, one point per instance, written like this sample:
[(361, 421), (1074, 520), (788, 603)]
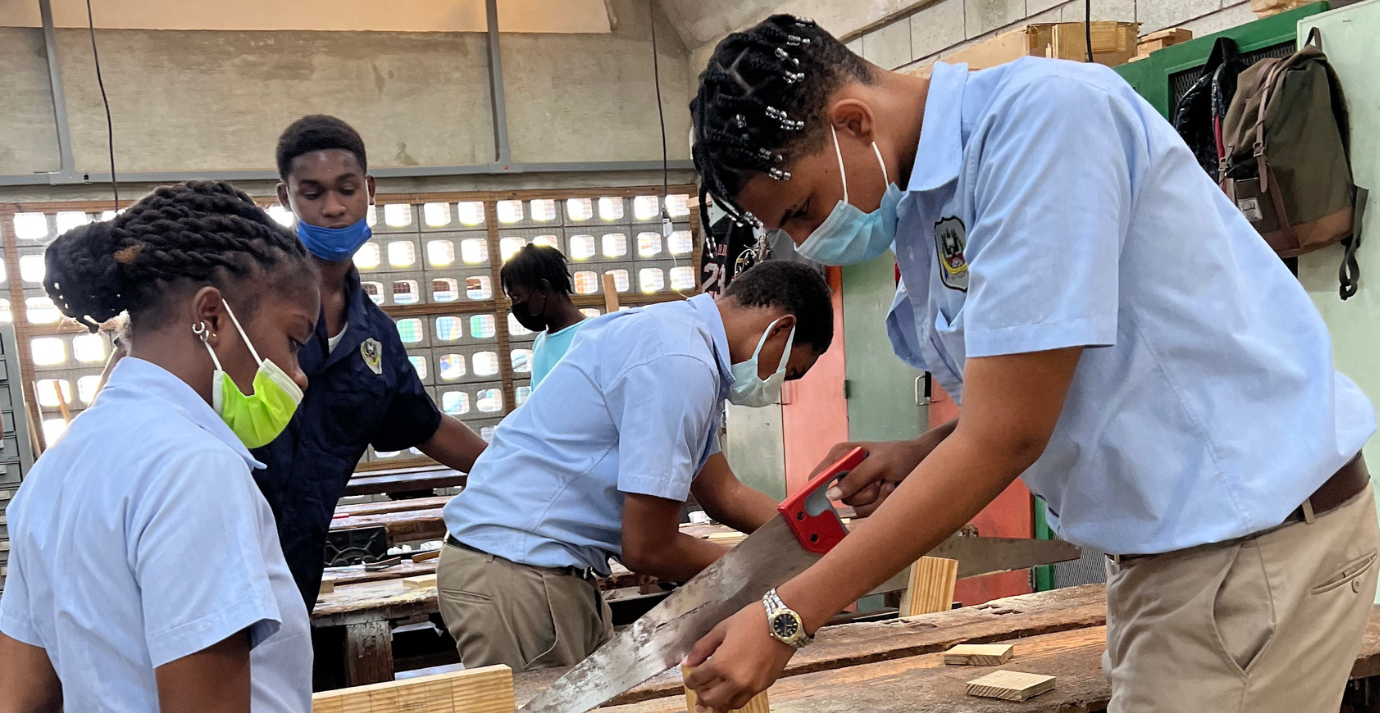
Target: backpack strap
[(1349, 274)]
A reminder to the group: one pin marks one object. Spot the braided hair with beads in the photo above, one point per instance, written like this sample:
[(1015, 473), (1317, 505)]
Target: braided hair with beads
[(763, 100), (200, 232)]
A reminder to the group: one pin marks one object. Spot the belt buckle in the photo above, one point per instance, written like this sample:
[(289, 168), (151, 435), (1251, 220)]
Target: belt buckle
[(1307, 508)]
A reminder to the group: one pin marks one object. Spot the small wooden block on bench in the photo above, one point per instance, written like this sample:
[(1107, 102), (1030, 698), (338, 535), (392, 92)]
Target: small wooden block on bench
[(758, 704), (978, 654), (1010, 685), (478, 690), (421, 581)]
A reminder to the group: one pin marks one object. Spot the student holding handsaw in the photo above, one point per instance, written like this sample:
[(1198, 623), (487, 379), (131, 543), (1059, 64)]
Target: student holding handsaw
[(1117, 335)]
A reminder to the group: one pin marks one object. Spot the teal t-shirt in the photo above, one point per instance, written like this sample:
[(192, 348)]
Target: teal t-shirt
[(548, 348)]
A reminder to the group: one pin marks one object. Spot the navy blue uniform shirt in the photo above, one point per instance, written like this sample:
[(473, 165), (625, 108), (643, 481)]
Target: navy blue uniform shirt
[(365, 392)]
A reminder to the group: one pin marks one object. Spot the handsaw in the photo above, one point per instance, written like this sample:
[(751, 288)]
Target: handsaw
[(807, 528)]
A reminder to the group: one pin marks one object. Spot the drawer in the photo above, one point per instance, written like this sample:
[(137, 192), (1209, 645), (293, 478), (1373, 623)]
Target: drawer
[(6, 400), (7, 417), (9, 472), (9, 449)]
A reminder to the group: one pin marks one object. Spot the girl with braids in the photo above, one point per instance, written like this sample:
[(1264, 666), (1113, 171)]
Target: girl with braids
[(1117, 335), (146, 572)]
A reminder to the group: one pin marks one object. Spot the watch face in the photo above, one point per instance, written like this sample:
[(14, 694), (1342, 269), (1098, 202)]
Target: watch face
[(785, 626)]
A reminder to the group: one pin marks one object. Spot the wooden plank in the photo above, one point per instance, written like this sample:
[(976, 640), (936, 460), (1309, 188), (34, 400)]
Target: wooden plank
[(368, 652), (427, 555), (840, 647), (610, 293), (758, 704), (1011, 685), (999, 50), (407, 526), (420, 582), (1113, 43), (931, 587), (978, 655), (388, 506), (404, 482), (479, 690), (356, 574)]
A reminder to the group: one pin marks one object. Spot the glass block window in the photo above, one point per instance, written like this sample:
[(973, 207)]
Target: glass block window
[(48, 390), (402, 254), (405, 292), (436, 214), (482, 326), (485, 363), (418, 363), (651, 279), (86, 388), (581, 247), (440, 253), (32, 269), (284, 216), (451, 367), (682, 278), (445, 289), (49, 351), (374, 290), (449, 329), (474, 251), (586, 282), (371, 217), (53, 428), (368, 257), (397, 215), (487, 433), (543, 210), (515, 327), (549, 241), (610, 208), (509, 211), (455, 403), (681, 242), (41, 310), (522, 361), (646, 207), (68, 219), (508, 247), (621, 280), (479, 287), (615, 245), (89, 348), (648, 244), (6, 316), (108, 214), (579, 209), (489, 400), (410, 330), (678, 205), (522, 393), (471, 213), (30, 226), (590, 312)]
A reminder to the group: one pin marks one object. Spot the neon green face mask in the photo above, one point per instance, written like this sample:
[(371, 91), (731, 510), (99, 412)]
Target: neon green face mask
[(256, 419)]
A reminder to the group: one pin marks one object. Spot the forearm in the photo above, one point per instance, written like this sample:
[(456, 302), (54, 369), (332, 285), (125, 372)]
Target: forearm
[(743, 509), (28, 683), (944, 492), (682, 558), (453, 445)]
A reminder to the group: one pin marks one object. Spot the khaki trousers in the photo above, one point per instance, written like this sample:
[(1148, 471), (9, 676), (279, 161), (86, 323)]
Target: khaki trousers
[(1268, 623), (502, 612)]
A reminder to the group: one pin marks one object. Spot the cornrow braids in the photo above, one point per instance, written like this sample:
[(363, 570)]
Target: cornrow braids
[(199, 232), (762, 102)]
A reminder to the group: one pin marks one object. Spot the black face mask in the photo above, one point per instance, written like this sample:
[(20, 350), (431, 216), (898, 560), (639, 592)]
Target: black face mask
[(523, 314)]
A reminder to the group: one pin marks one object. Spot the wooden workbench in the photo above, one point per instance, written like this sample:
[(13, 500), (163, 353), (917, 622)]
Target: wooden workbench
[(897, 667), (404, 481)]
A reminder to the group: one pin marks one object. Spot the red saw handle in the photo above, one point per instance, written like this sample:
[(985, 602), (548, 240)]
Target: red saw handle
[(808, 512)]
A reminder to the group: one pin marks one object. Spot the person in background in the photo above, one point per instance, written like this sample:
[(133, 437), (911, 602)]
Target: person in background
[(537, 281), (367, 392), (600, 460), (145, 572), (1115, 333)]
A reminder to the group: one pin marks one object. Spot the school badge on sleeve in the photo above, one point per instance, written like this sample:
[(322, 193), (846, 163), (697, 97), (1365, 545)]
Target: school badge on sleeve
[(372, 352), (950, 240)]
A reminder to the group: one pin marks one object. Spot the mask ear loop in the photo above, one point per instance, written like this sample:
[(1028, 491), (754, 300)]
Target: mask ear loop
[(843, 175), (202, 333), (240, 329), (885, 180)]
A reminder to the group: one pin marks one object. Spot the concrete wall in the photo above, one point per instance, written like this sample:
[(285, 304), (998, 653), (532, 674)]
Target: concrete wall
[(204, 100)]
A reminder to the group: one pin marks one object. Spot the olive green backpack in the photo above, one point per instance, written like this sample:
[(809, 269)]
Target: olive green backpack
[(1285, 163)]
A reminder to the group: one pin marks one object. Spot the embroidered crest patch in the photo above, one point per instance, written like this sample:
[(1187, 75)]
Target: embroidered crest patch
[(950, 240), (372, 352)]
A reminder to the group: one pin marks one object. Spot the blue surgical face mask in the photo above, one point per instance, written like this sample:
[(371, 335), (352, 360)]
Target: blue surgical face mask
[(334, 244), (748, 388), (849, 235)]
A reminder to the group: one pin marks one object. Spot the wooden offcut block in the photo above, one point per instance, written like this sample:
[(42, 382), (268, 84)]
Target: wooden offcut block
[(421, 581), (1010, 685), (610, 293), (758, 704), (1159, 40), (727, 539), (427, 555), (327, 586), (978, 654), (931, 588), (478, 690)]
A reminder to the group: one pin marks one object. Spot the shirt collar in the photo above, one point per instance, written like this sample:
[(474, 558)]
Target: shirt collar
[(940, 154), (137, 378), (357, 304), (709, 312)]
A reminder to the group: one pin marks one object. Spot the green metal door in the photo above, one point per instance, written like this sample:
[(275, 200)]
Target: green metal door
[(881, 389)]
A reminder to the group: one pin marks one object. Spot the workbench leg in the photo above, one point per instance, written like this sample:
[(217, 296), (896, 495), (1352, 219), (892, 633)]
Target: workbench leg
[(368, 653)]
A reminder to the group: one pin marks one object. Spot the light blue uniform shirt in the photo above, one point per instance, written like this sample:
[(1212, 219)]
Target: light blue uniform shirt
[(140, 538), (547, 349), (1050, 206), (632, 408)]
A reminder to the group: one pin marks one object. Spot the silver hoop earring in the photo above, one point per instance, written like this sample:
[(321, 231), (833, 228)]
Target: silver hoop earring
[(200, 330)]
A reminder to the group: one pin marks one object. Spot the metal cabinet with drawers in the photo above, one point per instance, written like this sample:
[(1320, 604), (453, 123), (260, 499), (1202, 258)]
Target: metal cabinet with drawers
[(16, 455)]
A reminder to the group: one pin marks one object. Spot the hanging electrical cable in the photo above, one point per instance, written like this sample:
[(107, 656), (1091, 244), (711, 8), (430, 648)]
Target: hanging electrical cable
[(109, 124), (1087, 26), (660, 112)]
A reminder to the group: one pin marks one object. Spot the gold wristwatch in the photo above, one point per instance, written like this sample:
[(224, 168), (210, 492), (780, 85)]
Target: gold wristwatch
[(783, 623)]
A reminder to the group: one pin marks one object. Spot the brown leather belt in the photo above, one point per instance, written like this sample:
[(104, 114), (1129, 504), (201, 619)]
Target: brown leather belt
[(1344, 485)]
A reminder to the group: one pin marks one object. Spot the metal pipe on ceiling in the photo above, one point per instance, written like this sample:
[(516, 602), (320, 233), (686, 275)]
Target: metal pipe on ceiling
[(66, 164)]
